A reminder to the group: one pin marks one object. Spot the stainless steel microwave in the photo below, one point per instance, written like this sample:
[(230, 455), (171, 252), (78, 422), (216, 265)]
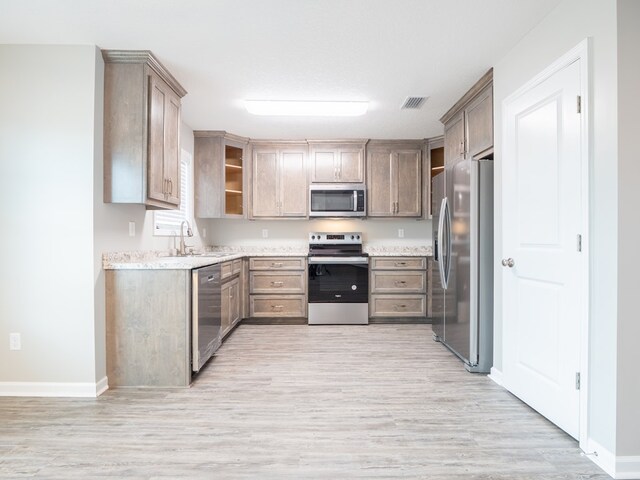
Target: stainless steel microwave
[(337, 200)]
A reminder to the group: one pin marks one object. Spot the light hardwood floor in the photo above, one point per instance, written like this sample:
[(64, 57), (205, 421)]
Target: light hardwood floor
[(298, 402)]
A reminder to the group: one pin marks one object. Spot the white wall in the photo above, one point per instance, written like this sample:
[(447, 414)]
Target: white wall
[(292, 232), (628, 395), (567, 25), (56, 226), (46, 193)]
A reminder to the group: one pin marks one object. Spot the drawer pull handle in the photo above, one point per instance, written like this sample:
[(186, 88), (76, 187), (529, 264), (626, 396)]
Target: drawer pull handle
[(277, 284), (277, 307), (401, 264), (399, 306), (276, 264), (400, 283)]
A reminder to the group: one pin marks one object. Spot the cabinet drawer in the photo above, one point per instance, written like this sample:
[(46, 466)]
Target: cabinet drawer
[(398, 263), (398, 282), (237, 266), (278, 282), (398, 306), (278, 263), (226, 270), (278, 306)]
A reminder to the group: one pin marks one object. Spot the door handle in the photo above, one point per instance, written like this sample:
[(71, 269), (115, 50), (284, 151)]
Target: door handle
[(508, 262)]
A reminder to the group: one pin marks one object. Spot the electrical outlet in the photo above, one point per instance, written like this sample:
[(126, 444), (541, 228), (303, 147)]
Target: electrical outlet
[(265, 233), (204, 233), (132, 229), (401, 233), (14, 341)]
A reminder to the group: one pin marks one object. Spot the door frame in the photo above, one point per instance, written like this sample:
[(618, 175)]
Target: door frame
[(581, 52)]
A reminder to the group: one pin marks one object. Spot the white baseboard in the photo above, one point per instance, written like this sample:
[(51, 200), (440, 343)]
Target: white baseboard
[(619, 468), (102, 386), (496, 376), (53, 389)]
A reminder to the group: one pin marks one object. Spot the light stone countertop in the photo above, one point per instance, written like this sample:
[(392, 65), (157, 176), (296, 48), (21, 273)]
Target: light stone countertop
[(398, 251), (163, 260)]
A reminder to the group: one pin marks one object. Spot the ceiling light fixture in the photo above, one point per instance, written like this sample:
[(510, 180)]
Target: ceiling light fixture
[(306, 108)]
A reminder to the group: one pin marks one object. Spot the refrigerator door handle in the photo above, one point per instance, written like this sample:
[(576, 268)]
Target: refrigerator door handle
[(441, 242), (449, 244)]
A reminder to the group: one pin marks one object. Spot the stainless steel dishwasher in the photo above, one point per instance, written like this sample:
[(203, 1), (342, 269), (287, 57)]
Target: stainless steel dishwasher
[(206, 314)]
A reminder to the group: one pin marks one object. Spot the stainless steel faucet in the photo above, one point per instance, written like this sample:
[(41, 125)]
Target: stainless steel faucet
[(183, 246)]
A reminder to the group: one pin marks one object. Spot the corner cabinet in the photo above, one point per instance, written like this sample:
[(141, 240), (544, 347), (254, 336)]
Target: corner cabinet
[(337, 161), (279, 183), (221, 174), (468, 125), (394, 179), (141, 130)]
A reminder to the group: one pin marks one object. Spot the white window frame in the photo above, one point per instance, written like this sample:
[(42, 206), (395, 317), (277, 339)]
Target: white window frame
[(166, 223)]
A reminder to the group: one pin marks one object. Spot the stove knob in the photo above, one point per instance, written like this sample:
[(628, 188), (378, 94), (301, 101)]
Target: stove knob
[(352, 237), (358, 237), (313, 237)]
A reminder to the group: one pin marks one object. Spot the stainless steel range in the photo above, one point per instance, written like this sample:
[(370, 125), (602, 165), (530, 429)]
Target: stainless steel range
[(338, 279)]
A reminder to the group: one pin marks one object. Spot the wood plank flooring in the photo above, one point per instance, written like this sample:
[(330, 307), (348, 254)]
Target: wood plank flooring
[(298, 402)]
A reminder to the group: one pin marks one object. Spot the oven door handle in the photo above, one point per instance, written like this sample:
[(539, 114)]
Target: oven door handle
[(334, 260)]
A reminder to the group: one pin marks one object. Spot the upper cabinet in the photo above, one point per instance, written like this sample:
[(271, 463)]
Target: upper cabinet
[(279, 183), (468, 125), (435, 151), (141, 130), (394, 178), (221, 174), (341, 162)]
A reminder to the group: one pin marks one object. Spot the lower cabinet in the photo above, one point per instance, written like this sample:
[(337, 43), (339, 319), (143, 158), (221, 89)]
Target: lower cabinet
[(398, 287), (231, 295), (148, 323), (277, 287)]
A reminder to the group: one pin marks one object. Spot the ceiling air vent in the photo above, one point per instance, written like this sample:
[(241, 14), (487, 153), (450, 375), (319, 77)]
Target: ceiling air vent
[(413, 102)]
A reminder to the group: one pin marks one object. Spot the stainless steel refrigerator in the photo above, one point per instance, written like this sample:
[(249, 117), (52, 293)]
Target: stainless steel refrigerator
[(463, 254)]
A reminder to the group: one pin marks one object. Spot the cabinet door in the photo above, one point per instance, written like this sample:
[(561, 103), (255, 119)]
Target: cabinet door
[(479, 122), (350, 163), (225, 323), (171, 164), (156, 180), (454, 139), (234, 302), (265, 198), (409, 183), (379, 184), (323, 165), (293, 184)]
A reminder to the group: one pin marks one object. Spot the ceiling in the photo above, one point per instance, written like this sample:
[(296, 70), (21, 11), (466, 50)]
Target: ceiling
[(225, 51)]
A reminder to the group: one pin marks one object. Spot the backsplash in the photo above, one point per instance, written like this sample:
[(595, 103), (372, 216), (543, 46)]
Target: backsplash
[(295, 232)]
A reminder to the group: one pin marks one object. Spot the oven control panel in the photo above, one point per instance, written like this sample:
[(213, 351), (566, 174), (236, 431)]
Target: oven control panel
[(345, 238)]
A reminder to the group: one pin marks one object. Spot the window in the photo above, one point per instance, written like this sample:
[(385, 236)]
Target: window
[(167, 222)]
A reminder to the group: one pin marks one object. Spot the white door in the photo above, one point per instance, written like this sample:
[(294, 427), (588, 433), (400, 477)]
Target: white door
[(542, 218)]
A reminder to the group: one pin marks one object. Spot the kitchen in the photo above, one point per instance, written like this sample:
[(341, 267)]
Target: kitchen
[(66, 353)]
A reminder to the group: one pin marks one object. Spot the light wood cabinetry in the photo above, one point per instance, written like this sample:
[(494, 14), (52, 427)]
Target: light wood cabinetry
[(148, 320), (435, 150), (221, 174), (398, 287), (279, 183), (468, 125), (231, 294), (341, 162), (278, 287), (230, 301), (141, 130), (394, 178)]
